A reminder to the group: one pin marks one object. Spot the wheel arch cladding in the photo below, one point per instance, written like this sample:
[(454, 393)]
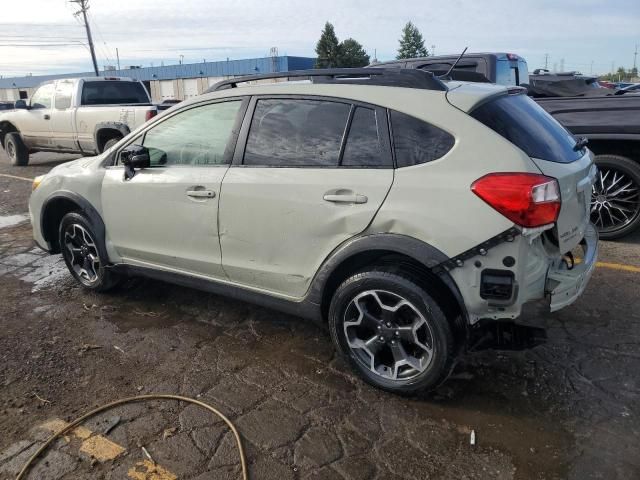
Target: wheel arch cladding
[(57, 205), (412, 256)]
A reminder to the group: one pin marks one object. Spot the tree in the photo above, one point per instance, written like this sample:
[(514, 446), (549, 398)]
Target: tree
[(327, 48), (352, 54), (411, 43)]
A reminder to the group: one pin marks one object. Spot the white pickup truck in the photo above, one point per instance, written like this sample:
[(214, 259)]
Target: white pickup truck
[(85, 116)]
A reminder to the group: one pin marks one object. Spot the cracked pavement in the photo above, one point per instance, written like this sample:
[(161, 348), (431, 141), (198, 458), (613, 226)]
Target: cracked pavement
[(567, 409)]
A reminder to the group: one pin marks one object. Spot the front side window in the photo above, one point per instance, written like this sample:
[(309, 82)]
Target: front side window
[(43, 96), (198, 136), (416, 141), (296, 133), (110, 92), (64, 89), (363, 148)]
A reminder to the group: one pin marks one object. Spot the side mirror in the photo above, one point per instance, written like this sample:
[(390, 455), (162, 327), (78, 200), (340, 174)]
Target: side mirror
[(134, 157), (20, 105)]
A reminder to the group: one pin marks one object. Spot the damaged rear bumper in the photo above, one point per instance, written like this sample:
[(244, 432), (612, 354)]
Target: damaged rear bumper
[(564, 285)]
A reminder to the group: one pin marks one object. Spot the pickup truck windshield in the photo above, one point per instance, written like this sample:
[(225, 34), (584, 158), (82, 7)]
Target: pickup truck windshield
[(113, 92), (529, 127)]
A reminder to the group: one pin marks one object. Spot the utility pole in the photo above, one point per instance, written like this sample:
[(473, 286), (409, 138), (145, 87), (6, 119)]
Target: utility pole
[(84, 6), (118, 57), (546, 61), (433, 50), (591, 69), (181, 59), (635, 58)]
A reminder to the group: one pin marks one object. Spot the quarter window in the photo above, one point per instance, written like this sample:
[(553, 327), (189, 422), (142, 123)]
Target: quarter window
[(198, 136), (296, 133), (64, 90), (416, 141), (42, 97), (363, 148)]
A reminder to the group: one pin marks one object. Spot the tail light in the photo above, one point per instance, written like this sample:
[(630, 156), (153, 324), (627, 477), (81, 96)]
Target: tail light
[(527, 199), (150, 114)]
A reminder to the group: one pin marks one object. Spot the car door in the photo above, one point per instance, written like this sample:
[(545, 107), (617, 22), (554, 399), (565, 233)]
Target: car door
[(166, 215), (62, 117), (36, 126), (312, 174)]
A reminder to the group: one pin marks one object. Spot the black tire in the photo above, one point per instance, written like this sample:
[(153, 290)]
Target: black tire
[(81, 251), (16, 150), (616, 226), (110, 143), (393, 286)]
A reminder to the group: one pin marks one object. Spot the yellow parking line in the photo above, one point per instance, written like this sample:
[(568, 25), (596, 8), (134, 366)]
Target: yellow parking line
[(147, 470), (16, 177), (618, 266), (102, 449)]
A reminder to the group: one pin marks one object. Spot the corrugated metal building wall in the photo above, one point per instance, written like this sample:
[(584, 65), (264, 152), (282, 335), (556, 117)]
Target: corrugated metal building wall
[(171, 81)]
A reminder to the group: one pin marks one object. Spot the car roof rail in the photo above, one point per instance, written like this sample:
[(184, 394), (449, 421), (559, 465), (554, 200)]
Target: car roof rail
[(387, 77)]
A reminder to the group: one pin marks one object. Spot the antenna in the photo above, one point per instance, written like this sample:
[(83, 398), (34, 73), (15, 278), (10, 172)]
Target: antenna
[(454, 64)]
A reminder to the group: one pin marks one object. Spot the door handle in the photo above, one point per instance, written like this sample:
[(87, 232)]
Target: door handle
[(347, 198), (47, 116), (201, 193)]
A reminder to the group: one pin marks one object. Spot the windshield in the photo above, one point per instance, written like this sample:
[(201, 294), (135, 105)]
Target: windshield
[(528, 126)]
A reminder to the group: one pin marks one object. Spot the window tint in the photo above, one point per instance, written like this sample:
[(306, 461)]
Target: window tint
[(528, 126), (111, 92), (64, 90), (416, 141), (42, 97), (363, 147), (198, 136), (293, 133)]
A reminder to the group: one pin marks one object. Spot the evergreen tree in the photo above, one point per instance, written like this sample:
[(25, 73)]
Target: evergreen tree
[(411, 43), (352, 54), (327, 48)]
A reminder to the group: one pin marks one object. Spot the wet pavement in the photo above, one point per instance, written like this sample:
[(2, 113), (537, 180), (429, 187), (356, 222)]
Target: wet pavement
[(567, 409)]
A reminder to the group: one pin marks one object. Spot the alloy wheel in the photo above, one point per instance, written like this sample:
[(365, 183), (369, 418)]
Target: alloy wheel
[(83, 253), (388, 335), (615, 200)]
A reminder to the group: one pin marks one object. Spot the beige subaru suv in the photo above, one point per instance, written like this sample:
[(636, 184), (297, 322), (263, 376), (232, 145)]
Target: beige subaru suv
[(403, 211)]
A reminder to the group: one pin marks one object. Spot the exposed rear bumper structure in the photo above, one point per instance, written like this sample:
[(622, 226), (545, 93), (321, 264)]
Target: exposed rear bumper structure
[(565, 285)]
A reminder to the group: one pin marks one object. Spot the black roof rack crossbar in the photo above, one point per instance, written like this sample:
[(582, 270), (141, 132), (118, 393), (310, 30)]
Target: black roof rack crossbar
[(388, 77)]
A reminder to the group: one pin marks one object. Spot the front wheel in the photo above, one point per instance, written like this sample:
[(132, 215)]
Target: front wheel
[(394, 335), (615, 199), (110, 143), (81, 253), (16, 150)]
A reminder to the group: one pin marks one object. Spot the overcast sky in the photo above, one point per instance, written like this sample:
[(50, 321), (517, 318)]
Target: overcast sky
[(155, 31)]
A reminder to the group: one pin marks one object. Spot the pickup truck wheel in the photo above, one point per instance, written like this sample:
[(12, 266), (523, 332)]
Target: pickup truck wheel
[(391, 331), (110, 143), (79, 246), (615, 199), (16, 150)]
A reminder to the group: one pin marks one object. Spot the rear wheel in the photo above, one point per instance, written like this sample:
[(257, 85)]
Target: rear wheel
[(391, 331), (615, 199), (81, 253), (16, 150), (110, 143)]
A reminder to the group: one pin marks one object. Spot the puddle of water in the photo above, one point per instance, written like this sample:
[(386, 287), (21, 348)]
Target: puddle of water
[(11, 220)]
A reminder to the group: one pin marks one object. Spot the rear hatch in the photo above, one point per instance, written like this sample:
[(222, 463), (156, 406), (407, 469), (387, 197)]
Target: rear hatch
[(553, 150)]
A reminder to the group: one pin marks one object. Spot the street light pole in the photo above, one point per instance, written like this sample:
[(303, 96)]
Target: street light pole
[(84, 6)]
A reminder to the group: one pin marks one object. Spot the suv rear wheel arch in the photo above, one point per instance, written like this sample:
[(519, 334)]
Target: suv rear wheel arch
[(405, 254), (56, 206)]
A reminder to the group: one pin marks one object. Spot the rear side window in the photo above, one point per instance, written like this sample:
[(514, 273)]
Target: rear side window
[(296, 133), (112, 92), (528, 126), (64, 89), (416, 141), (363, 148)]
